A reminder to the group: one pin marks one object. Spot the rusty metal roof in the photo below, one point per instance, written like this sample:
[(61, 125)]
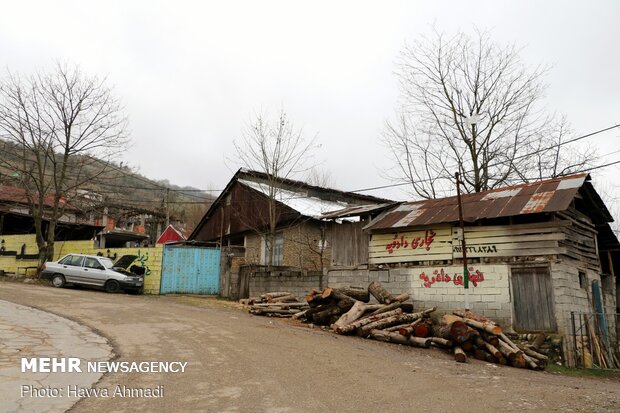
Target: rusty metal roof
[(543, 196)]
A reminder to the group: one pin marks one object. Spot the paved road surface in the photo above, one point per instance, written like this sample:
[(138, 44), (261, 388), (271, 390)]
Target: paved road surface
[(239, 363)]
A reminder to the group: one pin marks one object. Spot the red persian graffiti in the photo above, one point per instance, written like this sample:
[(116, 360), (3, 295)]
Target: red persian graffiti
[(417, 242), (475, 276)]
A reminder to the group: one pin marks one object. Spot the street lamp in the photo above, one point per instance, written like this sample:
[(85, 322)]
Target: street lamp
[(471, 121)]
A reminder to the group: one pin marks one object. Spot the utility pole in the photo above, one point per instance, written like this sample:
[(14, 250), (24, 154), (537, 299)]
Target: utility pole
[(167, 207), (463, 246)]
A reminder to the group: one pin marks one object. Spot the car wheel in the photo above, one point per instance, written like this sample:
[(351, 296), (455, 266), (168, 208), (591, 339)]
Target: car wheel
[(58, 280), (112, 286)]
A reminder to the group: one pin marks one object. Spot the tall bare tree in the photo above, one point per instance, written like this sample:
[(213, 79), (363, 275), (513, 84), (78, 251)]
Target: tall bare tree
[(471, 105), (57, 123), (276, 148)]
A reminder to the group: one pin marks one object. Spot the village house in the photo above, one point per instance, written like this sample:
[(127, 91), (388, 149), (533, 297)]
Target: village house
[(539, 255), (306, 243)]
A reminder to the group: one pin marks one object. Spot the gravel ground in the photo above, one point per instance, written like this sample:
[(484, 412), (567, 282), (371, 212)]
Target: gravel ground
[(237, 362)]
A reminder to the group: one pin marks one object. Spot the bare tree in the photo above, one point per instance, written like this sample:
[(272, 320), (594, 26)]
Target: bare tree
[(276, 148), (471, 105), (64, 127), (320, 177)]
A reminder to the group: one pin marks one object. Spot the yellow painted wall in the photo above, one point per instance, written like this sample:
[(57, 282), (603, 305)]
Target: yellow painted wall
[(149, 258)]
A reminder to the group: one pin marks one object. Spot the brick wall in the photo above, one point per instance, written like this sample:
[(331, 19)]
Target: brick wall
[(300, 248)]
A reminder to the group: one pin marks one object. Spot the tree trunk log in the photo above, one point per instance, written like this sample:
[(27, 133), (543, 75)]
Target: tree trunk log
[(316, 299), (300, 315), (459, 354), (409, 328), (441, 342), (387, 308), (381, 294), (481, 343), (459, 332), (491, 339), (358, 294), (467, 346), (261, 311), (442, 332), (401, 298), (536, 355), (322, 317), (400, 318), (387, 336), (350, 327), (490, 328), (508, 341), (355, 313), (423, 329), (531, 363), (508, 352), (540, 339), (276, 294), (284, 299), (396, 328)]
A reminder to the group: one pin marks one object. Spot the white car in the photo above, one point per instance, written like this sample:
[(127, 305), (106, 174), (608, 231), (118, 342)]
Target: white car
[(91, 270)]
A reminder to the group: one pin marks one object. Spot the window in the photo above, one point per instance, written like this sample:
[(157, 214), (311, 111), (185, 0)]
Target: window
[(583, 280), (91, 263), (277, 250), (73, 260)]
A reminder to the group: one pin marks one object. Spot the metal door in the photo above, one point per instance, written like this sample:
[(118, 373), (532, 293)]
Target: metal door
[(532, 298), (190, 270)]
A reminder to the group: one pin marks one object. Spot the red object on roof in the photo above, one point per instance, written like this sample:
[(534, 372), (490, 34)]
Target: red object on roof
[(170, 234)]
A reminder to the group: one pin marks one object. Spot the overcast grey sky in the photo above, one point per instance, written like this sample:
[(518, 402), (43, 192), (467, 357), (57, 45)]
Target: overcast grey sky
[(192, 73)]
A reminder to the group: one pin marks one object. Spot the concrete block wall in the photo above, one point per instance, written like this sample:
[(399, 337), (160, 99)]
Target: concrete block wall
[(298, 285), (491, 297)]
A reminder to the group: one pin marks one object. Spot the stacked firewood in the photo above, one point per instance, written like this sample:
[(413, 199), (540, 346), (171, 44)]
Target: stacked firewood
[(275, 304), (465, 334), (329, 306)]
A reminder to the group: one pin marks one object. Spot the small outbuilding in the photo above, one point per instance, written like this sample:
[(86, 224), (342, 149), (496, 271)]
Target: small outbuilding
[(539, 253)]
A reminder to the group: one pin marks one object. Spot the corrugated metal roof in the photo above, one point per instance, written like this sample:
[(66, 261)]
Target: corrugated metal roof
[(354, 210), (543, 196), (306, 205)]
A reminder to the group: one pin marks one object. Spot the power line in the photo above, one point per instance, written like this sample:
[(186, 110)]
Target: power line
[(557, 145)]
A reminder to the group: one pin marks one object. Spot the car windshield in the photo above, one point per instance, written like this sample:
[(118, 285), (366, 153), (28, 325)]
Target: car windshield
[(106, 262)]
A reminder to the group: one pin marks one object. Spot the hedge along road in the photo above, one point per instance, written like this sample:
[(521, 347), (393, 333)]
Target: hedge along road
[(238, 362)]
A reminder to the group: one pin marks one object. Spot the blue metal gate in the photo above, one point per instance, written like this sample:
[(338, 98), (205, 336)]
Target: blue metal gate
[(190, 270)]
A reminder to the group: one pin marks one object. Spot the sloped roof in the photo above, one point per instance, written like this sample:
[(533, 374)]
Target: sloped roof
[(307, 200), (17, 195), (170, 234), (355, 210), (551, 195), (310, 206)]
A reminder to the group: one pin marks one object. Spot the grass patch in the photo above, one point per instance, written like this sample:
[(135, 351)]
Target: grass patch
[(568, 371)]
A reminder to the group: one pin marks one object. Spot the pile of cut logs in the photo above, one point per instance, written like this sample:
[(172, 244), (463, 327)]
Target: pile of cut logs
[(275, 304), (465, 334)]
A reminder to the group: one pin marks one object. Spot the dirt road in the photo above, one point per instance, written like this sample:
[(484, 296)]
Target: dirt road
[(241, 363)]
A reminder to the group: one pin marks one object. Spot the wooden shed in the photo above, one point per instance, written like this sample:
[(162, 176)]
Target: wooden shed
[(537, 252)]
